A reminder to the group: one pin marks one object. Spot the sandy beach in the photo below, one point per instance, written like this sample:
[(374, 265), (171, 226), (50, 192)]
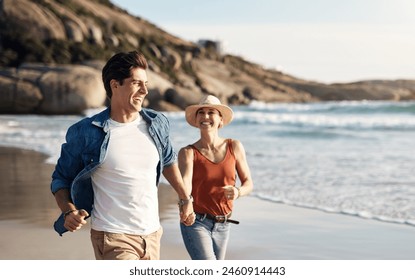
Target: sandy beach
[(268, 231)]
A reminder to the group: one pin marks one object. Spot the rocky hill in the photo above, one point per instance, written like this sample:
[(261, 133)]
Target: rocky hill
[(52, 53)]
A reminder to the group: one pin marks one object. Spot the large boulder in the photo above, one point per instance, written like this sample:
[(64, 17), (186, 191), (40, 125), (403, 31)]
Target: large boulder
[(183, 97), (44, 89), (18, 96), (71, 89)]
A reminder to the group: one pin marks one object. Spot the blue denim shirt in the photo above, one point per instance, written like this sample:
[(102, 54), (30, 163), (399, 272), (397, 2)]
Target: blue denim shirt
[(86, 148)]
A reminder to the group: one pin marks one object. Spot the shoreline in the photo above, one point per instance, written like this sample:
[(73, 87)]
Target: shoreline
[(268, 230)]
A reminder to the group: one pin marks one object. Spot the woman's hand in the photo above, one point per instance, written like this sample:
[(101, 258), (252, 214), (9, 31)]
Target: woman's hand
[(231, 192)]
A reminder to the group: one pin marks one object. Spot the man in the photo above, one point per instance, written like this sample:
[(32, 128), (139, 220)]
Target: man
[(110, 166)]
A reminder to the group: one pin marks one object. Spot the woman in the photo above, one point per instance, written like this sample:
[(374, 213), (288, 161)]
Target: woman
[(209, 167)]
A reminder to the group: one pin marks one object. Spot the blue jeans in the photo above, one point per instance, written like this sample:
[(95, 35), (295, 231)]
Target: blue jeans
[(206, 239)]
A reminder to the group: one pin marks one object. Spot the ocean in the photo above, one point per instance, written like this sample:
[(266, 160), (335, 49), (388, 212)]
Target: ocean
[(349, 158)]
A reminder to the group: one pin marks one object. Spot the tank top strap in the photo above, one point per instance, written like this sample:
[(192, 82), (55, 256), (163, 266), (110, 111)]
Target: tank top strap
[(194, 149), (230, 147)]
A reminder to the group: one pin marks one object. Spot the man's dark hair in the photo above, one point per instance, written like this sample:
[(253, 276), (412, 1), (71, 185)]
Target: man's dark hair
[(119, 67)]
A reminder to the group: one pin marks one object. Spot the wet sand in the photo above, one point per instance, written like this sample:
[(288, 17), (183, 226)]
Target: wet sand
[(268, 231)]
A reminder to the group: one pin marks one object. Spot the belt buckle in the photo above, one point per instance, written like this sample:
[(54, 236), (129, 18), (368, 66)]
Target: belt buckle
[(221, 219)]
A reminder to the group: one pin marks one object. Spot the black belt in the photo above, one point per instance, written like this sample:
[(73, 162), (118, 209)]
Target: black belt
[(219, 219)]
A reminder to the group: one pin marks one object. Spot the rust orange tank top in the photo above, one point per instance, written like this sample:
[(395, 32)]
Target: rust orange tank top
[(209, 178)]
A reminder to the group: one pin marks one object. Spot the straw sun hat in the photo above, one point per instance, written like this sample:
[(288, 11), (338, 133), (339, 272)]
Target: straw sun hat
[(209, 101)]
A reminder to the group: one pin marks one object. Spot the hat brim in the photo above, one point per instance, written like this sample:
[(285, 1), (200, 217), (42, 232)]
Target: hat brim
[(225, 111)]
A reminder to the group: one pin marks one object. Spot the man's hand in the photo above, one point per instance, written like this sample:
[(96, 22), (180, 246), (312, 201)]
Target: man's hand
[(75, 220)]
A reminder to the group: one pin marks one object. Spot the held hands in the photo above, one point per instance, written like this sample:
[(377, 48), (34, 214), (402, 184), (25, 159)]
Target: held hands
[(75, 219), (187, 215)]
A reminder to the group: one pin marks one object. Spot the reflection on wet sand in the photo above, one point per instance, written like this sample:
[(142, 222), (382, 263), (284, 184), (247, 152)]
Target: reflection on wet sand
[(25, 187)]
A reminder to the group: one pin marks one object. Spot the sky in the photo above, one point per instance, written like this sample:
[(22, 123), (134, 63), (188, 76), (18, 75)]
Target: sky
[(320, 40)]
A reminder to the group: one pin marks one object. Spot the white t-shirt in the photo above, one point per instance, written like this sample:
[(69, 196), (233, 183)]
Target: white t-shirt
[(125, 191)]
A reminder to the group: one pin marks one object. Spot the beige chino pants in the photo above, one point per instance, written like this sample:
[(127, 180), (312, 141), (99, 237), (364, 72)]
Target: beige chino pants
[(121, 246)]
